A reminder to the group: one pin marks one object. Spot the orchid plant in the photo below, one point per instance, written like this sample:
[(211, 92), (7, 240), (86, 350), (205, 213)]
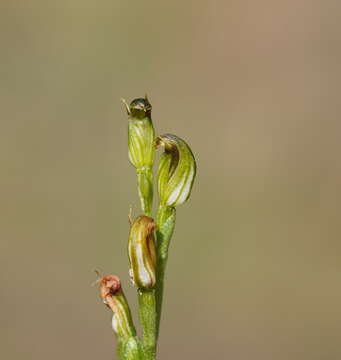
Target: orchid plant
[(149, 239)]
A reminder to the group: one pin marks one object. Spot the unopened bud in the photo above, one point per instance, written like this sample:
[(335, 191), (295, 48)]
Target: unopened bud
[(113, 296), (176, 172), (142, 254)]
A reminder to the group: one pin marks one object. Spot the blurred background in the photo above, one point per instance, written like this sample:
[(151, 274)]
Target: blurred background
[(253, 86)]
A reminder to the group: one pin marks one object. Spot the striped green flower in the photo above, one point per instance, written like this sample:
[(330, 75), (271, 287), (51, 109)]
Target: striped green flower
[(141, 148), (176, 172), (141, 135), (142, 254)]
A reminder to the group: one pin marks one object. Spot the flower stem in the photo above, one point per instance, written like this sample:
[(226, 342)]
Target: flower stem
[(146, 298), (145, 189), (129, 349), (147, 312), (166, 223)]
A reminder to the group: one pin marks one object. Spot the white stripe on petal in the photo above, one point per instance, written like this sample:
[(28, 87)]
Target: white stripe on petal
[(187, 188), (175, 193)]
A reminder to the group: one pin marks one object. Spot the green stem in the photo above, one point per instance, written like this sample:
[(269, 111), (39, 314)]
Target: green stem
[(129, 349), (166, 223), (145, 188), (147, 301), (147, 312)]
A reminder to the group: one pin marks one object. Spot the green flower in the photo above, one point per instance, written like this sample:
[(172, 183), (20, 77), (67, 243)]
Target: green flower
[(141, 252), (176, 172), (141, 148), (141, 135)]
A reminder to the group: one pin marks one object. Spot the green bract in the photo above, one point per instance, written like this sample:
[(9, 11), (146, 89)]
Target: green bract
[(141, 251), (176, 172)]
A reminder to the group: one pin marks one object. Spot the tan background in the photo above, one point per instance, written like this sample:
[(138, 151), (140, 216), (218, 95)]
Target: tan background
[(253, 86)]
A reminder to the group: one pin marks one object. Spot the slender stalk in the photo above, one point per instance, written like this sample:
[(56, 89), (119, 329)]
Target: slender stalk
[(166, 223), (145, 189), (129, 349), (146, 298), (148, 322)]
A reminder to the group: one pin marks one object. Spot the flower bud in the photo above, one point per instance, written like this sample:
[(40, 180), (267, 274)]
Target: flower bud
[(141, 133), (176, 172), (142, 254), (113, 296)]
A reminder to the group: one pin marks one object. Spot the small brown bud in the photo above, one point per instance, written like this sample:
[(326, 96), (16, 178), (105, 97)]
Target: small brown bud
[(110, 285)]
